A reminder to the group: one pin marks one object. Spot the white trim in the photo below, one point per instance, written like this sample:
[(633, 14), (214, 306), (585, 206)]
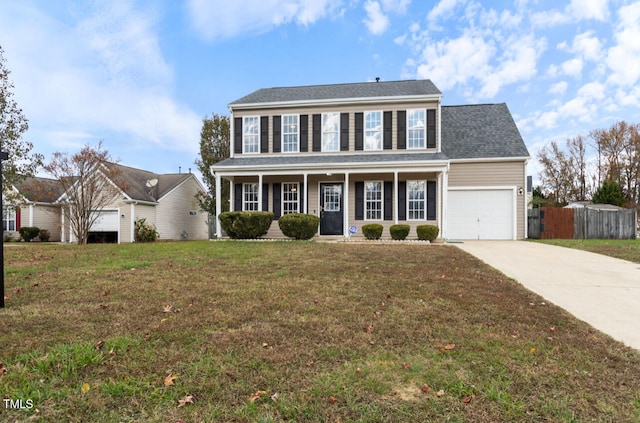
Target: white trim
[(492, 159), (345, 206), (297, 115), (244, 184), (133, 221), (335, 101), (286, 169), (297, 202), (364, 130), (424, 129), (232, 141), (30, 214), (395, 198), (305, 201), (381, 182), (424, 201), (322, 132), (244, 126), (439, 128)]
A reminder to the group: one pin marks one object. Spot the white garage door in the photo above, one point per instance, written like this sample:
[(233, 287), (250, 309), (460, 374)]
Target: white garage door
[(107, 221), (480, 214)]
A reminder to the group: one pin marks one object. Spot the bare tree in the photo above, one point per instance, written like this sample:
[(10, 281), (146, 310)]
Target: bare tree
[(90, 182)]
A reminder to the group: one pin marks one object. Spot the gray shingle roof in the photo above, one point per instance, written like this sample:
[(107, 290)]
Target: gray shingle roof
[(480, 131), (40, 190), (133, 182), (340, 91)]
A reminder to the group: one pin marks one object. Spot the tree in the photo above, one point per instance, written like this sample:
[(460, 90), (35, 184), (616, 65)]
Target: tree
[(90, 182), (21, 162), (609, 193), (215, 146)]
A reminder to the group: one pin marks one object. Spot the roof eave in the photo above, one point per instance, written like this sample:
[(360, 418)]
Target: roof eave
[(328, 167), (492, 159), (336, 101)]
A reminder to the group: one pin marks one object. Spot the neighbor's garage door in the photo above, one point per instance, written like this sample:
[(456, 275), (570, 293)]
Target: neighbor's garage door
[(480, 214), (107, 221)]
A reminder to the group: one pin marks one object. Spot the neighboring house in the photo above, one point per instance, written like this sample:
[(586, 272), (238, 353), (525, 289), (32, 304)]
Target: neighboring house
[(378, 152), (166, 201)]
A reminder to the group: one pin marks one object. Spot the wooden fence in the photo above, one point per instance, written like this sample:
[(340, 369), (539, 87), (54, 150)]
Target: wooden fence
[(581, 223)]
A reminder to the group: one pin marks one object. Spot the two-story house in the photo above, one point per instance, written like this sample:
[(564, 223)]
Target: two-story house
[(377, 152)]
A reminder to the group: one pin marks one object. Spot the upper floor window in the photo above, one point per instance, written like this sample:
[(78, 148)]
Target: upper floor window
[(373, 131), (249, 197), (416, 199), (251, 134), (9, 219), (290, 198), (416, 128), (373, 200), (290, 134), (331, 132)]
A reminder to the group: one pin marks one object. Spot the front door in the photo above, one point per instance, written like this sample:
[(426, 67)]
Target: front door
[(331, 217)]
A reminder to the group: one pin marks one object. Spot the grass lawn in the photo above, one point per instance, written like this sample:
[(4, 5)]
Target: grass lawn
[(627, 249), (295, 331)]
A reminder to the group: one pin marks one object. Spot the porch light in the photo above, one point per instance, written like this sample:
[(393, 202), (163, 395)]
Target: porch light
[(294, 189)]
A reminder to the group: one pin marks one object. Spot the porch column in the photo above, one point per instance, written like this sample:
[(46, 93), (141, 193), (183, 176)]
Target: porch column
[(218, 205), (132, 222), (30, 214), (62, 235), (305, 200), (395, 197), (440, 187), (345, 208), (260, 192), (445, 188)]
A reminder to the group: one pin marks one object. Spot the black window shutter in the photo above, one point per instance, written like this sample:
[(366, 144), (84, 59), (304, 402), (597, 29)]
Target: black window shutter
[(431, 200), (402, 200), (386, 135), (265, 197), (304, 133), (237, 135), (344, 131), (264, 134), (301, 195), (402, 130), (277, 130), (359, 131), (237, 197), (431, 128), (277, 206), (359, 200), (317, 132), (388, 200)]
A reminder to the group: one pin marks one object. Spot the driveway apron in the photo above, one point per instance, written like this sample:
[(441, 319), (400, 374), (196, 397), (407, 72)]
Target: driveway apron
[(600, 290)]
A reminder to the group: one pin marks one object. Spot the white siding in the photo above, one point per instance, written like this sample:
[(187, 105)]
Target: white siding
[(174, 214)]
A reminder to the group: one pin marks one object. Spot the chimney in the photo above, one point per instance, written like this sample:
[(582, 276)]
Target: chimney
[(179, 169), (189, 171)]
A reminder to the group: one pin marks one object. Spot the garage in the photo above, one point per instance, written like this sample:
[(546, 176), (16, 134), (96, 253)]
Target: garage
[(105, 228), (478, 213)]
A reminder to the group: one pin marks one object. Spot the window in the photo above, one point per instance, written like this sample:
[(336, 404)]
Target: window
[(290, 198), (373, 200), (330, 131), (332, 196), (416, 198), (290, 134), (250, 197), (9, 219), (251, 134), (416, 128), (373, 131)]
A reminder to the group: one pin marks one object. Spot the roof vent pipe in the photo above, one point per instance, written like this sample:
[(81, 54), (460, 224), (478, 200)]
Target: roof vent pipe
[(377, 79), (179, 169)]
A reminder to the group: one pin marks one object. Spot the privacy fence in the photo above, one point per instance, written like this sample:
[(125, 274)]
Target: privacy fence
[(581, 223)]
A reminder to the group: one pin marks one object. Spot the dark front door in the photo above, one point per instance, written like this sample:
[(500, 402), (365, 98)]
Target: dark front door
[(331, 216)]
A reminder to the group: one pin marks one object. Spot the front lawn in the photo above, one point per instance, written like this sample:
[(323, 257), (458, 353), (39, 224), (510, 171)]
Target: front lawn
[(626, 249), (295, 331)]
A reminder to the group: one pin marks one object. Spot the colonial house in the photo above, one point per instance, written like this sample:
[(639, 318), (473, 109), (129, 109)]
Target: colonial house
[(166, 201), (377, 152)]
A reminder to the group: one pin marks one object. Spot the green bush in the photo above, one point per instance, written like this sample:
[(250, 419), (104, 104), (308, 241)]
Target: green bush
[(246, 224), (299, 225), (44, 235), (144, 232), (427, 232), (372, 231), (399, 232), (29, 232)]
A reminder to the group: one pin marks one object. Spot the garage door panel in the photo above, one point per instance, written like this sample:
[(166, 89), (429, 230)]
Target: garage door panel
[(106, 221), (480, 214)]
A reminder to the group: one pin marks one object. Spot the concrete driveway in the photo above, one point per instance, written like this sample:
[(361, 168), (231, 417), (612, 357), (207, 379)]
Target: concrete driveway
[(600, 290)]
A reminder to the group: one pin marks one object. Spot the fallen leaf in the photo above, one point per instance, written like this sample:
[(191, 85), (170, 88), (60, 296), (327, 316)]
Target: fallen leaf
[(85, 388), (532, 350), (274, 397), (167, 309), (449, 346), (3, 370), (406, 365), (99, 345), (168, 381), (552, 329), (257, 395), (466, 400), (186, 400), (105, 293), (440, 393), (163, 320), (112, 352), (332, 400), (6, 298), (425, 388), (369, 329), (18, 291)]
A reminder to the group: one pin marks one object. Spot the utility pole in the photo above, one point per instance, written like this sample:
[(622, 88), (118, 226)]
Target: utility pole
[(3, 156)]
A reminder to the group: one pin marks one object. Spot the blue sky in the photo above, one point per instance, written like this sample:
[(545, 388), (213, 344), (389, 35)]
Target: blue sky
[(140, 75)]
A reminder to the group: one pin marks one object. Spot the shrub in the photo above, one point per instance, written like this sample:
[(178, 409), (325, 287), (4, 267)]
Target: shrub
[(246, 224), (399, 232), (44, 235), (427, 232), (372, 231), (144, 232), (299, 225), (29, 232)]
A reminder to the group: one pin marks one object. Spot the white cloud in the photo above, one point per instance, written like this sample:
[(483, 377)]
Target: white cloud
[(396, 6), (443, 9), (377, 22), (577, 10), (624, 58), (572, 67), (588, 46), (559, 88), (593, 90), (215, 19)]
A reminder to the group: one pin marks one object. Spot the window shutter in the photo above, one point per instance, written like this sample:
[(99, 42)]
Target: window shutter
[(264, 134), (359, 200), (317, 132), (237, 135), (388, 200), (265, 197), (277, 134), (359, 133), (344, 131), (277, 205), (237, 197), (304, 133), (386, 135), (402, 129), (431, 200), (301, 197), (431, 128), (402, 200)]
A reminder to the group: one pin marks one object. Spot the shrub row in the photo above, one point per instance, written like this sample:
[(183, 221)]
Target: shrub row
[(247, 224), (28, 233), (299, 225), (401, 231)]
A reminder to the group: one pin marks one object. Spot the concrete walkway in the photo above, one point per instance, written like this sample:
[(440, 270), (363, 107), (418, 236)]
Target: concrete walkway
[(600, 290)]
